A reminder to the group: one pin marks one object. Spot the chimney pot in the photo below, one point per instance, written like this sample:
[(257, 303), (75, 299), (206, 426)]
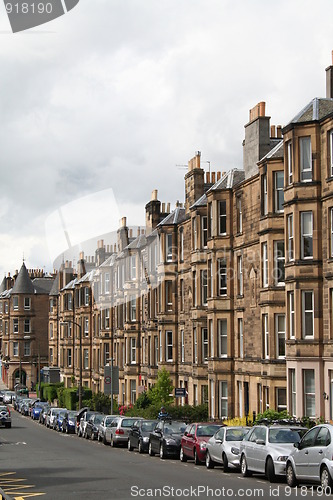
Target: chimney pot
[(273, 131), (218, 176), (163, 208), (213, 177), (279, 131), (207, 177), (122, 222), (154, 195), (131, 233), (168, 208), (81, 255)]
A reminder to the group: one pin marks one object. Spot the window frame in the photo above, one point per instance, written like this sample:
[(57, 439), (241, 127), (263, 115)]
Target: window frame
[(264, 251), (265, 326), (222, 331), (290, 161), (222, 217), (280, 334), (290, 233), (307, 311), (278, 259), (306, 236), (205, 345), (277, 190), (304, 171), (204, 231), (169, 346)]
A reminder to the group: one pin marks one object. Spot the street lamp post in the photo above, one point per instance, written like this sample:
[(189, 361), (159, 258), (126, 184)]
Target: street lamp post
[(80, 356)]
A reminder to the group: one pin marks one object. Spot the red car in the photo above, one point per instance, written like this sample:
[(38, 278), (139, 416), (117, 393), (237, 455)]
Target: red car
[(194, 440)]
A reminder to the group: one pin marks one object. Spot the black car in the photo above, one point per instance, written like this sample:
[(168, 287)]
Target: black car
[(166, 438), (93, 425), (69, 422), (138, 436)]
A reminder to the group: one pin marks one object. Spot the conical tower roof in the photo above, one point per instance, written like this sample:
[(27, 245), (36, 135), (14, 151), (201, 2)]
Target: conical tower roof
[(3, 286), (23, 283)]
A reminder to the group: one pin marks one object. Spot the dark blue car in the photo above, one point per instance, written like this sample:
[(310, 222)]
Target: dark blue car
[(59, 419), (36, 410), (69, 422)]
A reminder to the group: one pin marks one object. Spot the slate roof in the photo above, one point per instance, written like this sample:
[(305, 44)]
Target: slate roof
[(55, 286), (43, 285), (316, 110), (23, 283), (109, 261), (138, 243), (3, 286), (70, 285), (87, 277), (276, 152), (176, 217), (229, 180), (201, 202)]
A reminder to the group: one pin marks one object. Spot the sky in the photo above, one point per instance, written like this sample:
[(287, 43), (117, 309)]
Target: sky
[(108, 102)]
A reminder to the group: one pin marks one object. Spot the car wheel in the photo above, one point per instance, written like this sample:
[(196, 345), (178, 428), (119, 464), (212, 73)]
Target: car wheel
[(270, 471), (86, 435), (162, 454), (113, 443), (225, 463), (290, 475), (244, 469), (140, 447), (129, 446), (182, 456), (104, 440), (325, 479), (196, 458), (8, 425), (209, 461), (150, 450)]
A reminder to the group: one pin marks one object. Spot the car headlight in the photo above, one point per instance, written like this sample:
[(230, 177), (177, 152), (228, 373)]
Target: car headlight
[(282, 458), (71, 422), (170, 441), (145, 439), (234, 451), (203, 446)]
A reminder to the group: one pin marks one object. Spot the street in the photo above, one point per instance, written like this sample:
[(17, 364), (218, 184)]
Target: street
[(36, 461)]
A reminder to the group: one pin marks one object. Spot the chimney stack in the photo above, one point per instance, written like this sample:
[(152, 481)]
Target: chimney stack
[(279, 132), (329, 80)]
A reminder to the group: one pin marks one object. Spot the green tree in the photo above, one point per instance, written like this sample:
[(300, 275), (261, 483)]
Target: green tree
[(162, 392)]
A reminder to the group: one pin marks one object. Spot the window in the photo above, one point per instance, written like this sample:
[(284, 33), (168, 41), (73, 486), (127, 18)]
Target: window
[(168, 296), (195, 346), (194, 234), (290, 229), (223, 403), (280, 325), (241, 337), (222, 217), (278, 191), (160, 346), (240, 275), (133, 350), (204, 338), (222, 277), (69, 330), (85, 359), (204, 394), (307, 314), (169, 346), (107, 283), (210, 220), (305, 158), (181, 245), (265, 336), (70, 302), (106, 353), (264, 196), (182, 294), (27, 326), (107, 319), (51, 330), (292, 388), (155, 350), (86, 327), (281, 399), (204, 229), (51, 305), (291, 315), (279, 262), (331, 210), (306, 235), (86, 296), (331, 152), (15, 303), (27, 304), (264, 265), (203, 279), (194, 283), (290, 162), (182, 340), (133, 267), (27, 348), (6, 327), (309, 393), (51, 355), (223, 338), (210, 278), (6, 307), (132, 309), (239, 215), (168, 247), (133, 391), (69, 358), (15, 349), (15, 325), (211, 336)]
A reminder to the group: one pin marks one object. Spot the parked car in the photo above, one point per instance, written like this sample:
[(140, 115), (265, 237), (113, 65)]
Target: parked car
[(43, 414), (79, 415), (25, 407), (83, 422), (37, 409), (194, 441), (7, 398), (57, 425), (92, 426), (117, 432), (312, 458), (138, 436), (106, 422), (5, 417), (69, 422), (50, 416), (166, 437), (223, 447), (266, 449)]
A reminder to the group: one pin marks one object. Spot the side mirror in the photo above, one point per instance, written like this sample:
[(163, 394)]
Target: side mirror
[(158, 431), (297, 445), (260, 441)]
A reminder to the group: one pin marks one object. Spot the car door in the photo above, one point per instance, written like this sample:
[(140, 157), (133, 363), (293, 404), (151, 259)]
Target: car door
[(317, 452), (188, 440), (216, 447), (156, 436), (249, 449), (134, 433), (301, 456), (260, 449)]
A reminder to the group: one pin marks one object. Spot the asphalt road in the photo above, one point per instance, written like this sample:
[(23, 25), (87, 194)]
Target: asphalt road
[(36, 461)]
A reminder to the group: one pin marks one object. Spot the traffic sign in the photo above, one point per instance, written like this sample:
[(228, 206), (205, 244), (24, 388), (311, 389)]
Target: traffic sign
[(180, 392), (107, 380)]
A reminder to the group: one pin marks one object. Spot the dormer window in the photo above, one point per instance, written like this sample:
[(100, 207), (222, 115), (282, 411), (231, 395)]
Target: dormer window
[(305, 159)]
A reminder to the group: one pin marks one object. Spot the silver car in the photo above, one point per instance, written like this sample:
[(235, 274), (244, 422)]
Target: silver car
[(223, 447), (266, 449), (117, 432), (5, 418), (312, 458), (106, 422)]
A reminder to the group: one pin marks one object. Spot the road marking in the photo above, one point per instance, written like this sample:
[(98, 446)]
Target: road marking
[(13, 485)]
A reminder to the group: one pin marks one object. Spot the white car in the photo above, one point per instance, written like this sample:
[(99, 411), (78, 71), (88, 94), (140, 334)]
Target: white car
[(223, 447), (311, 460), (266, 449)]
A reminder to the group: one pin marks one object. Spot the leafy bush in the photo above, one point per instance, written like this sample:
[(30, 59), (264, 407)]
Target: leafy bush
[(49, 391)]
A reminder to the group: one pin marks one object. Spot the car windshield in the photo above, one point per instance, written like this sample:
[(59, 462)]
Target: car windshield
[(148, 426), (285, 435), (207, 430), (71, 414), (175, 428), (98, 419), (127, 422), (3, 408), (235, 434)]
